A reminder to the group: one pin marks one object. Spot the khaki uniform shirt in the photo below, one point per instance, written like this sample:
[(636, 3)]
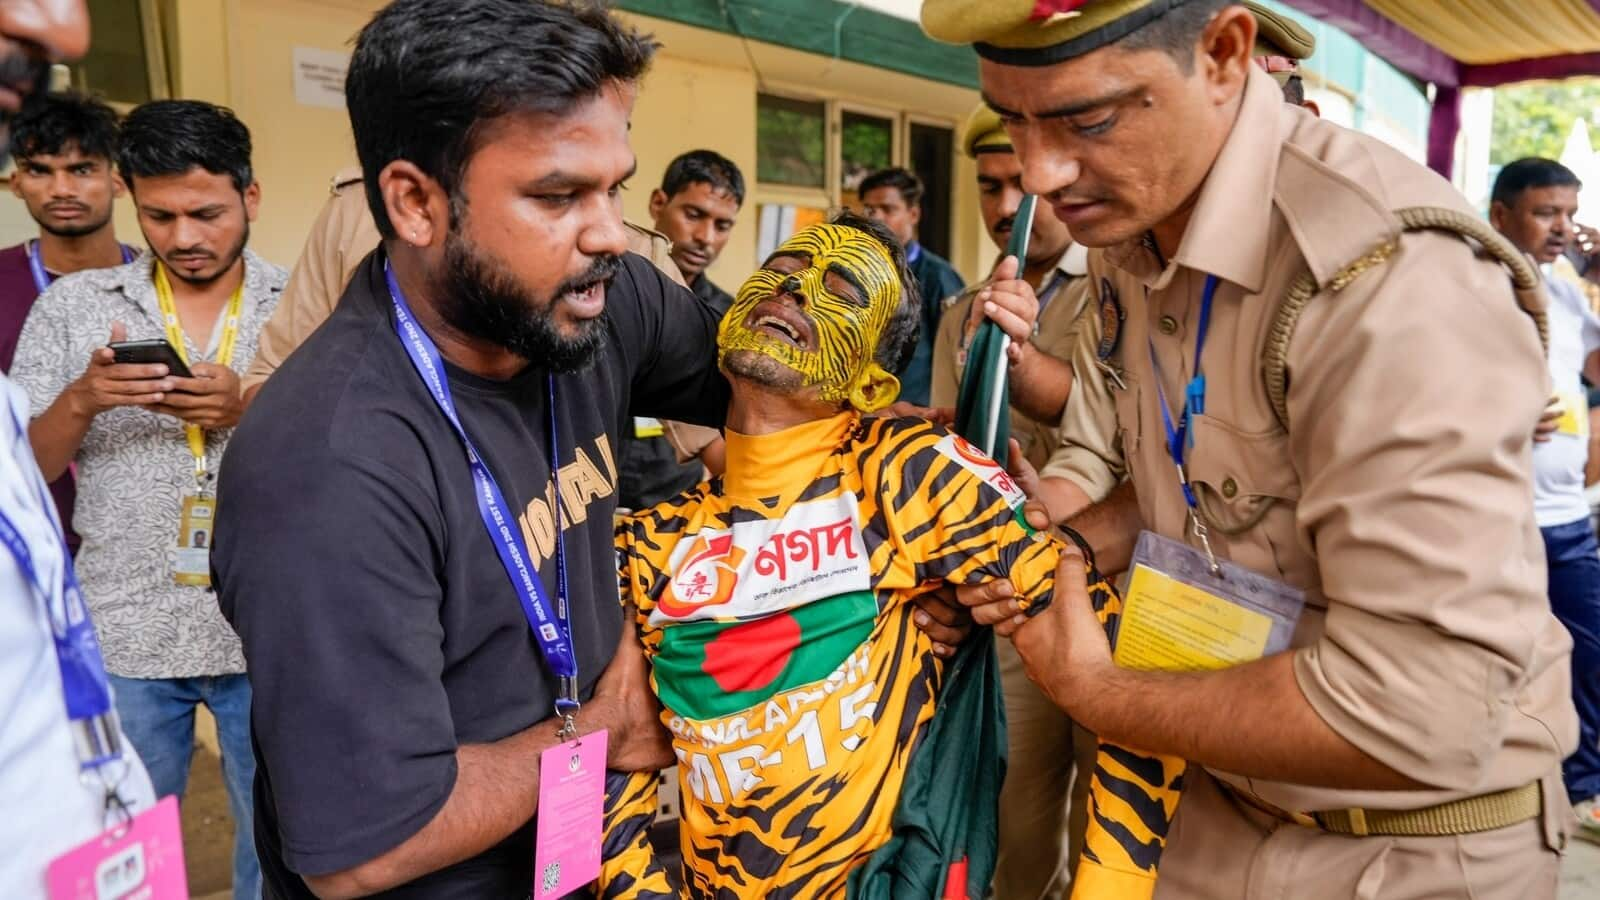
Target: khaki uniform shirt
[(342, 235), (1088, 448), (1399, 497), (1066, 314)]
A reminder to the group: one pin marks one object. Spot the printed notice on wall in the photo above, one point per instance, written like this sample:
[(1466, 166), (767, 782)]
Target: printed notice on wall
[(319, 77)]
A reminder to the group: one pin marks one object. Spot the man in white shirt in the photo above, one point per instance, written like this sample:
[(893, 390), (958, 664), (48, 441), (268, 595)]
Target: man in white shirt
[(1533, 203), (49, 811)]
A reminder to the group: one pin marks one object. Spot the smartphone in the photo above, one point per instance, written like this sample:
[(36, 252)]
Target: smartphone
[(150, 352)]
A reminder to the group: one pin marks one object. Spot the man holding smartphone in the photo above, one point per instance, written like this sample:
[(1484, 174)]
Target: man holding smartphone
[(147, 440)]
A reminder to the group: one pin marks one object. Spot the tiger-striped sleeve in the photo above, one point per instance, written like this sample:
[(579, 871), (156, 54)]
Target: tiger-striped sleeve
[(950, 517), (1132, 798), (629, 867), (632, 585)]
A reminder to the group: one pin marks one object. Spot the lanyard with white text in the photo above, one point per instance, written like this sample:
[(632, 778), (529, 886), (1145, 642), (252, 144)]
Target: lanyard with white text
[(1180, 437), (42, 278), (1051, 287), (551, 627), (96, 735), (230, 337)]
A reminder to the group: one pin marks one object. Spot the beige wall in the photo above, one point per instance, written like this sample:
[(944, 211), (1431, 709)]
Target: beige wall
[(700, 93), (685, 105), (297, 147)]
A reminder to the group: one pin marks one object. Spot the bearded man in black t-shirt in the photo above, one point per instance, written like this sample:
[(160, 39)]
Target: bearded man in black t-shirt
[(401, 699)]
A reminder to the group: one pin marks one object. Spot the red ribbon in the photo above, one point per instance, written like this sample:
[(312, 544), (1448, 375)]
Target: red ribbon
[(1044, 9)]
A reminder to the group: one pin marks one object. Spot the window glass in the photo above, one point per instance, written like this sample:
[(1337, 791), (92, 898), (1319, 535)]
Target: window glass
[(791, 141)]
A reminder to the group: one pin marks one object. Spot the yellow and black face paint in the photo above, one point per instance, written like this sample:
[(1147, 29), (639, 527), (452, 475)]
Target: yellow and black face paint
[(847, 329)]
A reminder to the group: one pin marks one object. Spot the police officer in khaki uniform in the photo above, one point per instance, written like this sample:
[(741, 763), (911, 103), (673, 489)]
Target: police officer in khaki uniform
[(1055, 270), (1087, 449), (1375, 456), (341, 236)]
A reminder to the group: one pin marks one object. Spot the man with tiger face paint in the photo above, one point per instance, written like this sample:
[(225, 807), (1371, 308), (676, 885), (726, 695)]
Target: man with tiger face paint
[(812, 319), (775, 604)]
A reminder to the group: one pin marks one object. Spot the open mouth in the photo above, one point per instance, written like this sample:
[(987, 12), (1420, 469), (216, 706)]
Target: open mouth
[(587, 301), (781, 322)]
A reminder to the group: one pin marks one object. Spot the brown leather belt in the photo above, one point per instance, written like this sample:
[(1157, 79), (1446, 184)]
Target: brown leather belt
[(1485, 812)]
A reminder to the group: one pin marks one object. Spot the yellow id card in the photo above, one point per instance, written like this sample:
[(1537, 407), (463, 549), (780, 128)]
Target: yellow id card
[(1172, 626), (192, 560), (1574, 414), (1179, 615)]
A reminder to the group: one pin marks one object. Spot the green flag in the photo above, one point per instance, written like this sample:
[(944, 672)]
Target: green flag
[(983, 414)]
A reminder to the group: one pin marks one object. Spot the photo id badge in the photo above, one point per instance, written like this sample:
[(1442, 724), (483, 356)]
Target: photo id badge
[(143, 859), (572, 796), (1178, 616), (193, 558)]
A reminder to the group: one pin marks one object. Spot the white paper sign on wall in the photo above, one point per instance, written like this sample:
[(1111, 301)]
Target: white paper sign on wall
[(319, 77)]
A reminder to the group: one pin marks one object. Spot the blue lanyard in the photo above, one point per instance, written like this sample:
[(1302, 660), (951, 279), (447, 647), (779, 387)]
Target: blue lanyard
[(42, 279), (1180, 437), (551, 627), (84, 684), (1051, 287)]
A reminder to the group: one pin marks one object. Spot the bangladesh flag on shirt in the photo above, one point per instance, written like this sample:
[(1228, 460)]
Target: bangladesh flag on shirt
[(707, 669)]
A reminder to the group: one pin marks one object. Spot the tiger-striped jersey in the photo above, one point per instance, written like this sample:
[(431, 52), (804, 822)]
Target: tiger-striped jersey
[(774, 607), (759, 819)]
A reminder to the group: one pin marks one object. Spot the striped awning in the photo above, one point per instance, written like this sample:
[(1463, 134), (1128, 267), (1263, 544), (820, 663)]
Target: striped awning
[(1472, 42), (1479, 32)]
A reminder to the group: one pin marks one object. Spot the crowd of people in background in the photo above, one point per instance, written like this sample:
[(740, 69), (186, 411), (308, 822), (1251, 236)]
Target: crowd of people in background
[(366, 512)]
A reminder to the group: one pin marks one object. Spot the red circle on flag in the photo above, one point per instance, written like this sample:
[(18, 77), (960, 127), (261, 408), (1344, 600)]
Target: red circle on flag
[(751, 656)]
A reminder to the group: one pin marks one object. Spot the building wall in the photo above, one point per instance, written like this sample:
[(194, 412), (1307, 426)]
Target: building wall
[(701, 92)]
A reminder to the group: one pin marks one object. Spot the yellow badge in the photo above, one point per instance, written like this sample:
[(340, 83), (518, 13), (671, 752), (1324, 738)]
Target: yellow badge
[(644, 427), (1168, 625), (1574, 414), (1180, 615), (193, 556)]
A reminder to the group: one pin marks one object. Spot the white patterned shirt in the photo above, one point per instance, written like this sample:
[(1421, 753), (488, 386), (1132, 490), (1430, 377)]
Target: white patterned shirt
[(134, 468)]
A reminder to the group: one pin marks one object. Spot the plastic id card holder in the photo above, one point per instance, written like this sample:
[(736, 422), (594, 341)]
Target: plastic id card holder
[(142, 860), (1178, 616), (192, 560)]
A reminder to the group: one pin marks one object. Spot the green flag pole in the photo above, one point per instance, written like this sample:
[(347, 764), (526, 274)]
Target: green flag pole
[(982, 415)]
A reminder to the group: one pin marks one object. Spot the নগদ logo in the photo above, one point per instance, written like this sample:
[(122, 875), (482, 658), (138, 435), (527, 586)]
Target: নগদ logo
[(707, 577), (984, 466), (971, 453)]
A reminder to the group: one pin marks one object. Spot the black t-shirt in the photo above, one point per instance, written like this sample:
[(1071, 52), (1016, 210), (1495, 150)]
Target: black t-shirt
[(650, 469), (379, 626), (718, 299)]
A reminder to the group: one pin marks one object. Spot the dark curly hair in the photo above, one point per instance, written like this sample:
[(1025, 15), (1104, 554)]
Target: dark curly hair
[(48, 126), (428, 75), (170, 137)]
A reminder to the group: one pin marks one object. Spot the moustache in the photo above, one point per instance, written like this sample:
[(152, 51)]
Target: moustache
[(602, 270), (1005, 225)]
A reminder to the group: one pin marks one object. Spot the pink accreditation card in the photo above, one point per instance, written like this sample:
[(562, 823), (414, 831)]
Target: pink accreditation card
[(141, 861), (572, 797)]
